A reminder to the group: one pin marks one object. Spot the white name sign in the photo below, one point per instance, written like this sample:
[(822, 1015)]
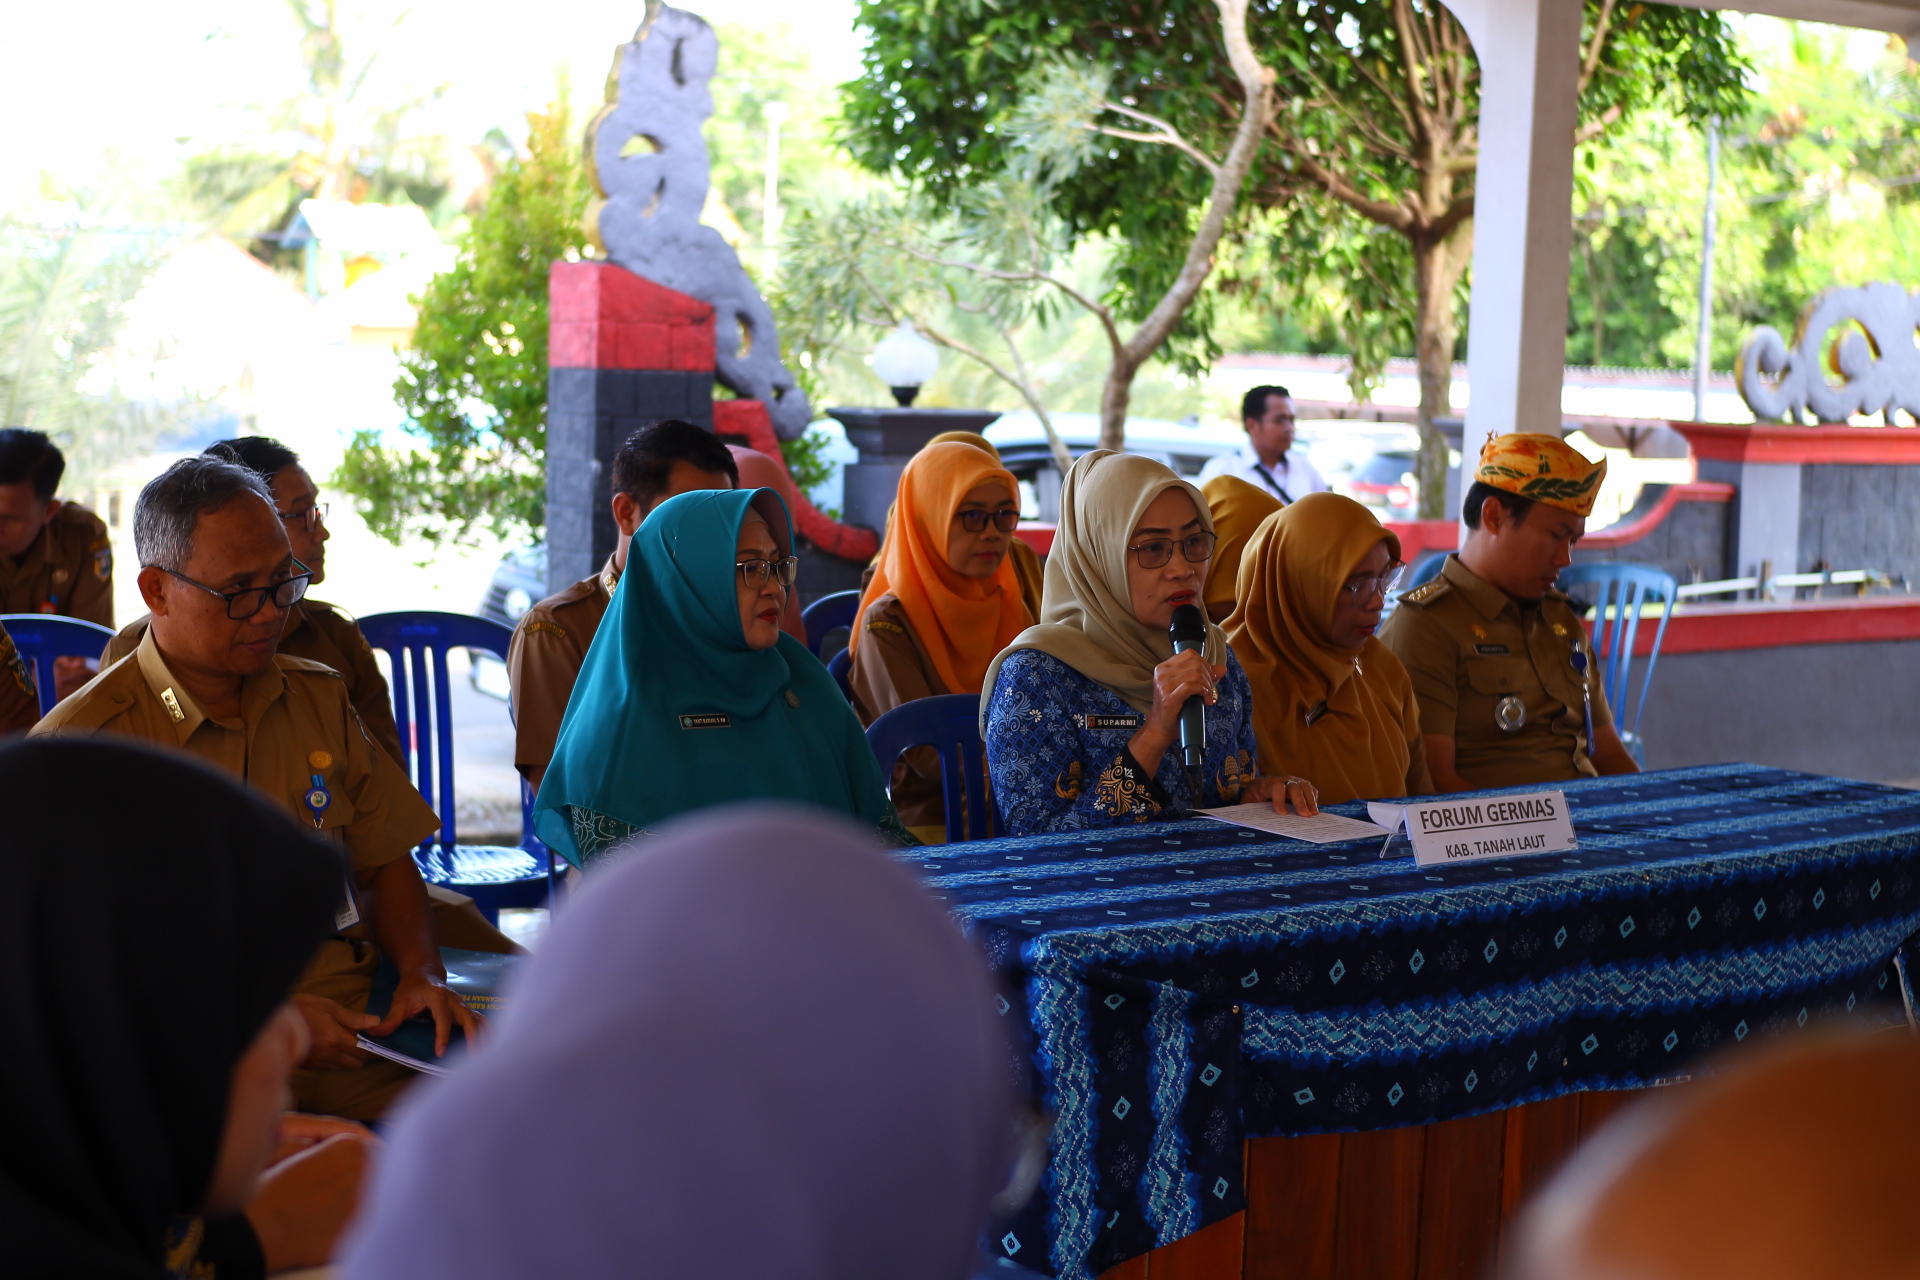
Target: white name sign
[(1475, 830)]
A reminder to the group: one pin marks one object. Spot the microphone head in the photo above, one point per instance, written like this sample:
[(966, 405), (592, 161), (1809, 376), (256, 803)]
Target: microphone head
[(1189, 624)]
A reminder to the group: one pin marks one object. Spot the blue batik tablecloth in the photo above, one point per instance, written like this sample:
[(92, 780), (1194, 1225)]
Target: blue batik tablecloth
[(1184, 986)]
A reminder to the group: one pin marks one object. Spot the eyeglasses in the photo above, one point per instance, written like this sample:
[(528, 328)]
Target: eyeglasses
[(307, 519), (975, 521), (1155, 552), (1365, 588), (242, 605), (756, 572)]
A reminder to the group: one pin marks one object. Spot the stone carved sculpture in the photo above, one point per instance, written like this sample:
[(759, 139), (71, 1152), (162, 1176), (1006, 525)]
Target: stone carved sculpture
[(1863, 336), (647, 158)]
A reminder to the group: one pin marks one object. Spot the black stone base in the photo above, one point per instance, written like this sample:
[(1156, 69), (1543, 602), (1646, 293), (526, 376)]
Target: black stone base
[(589, 413)]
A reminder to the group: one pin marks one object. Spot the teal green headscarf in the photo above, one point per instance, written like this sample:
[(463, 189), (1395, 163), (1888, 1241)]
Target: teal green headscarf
[(673, 712)]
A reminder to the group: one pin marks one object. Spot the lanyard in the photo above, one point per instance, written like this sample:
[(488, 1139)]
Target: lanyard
[(1273, 484)]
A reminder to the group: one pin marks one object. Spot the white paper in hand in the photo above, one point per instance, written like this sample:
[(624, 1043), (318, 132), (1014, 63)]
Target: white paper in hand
[(1321, 828)]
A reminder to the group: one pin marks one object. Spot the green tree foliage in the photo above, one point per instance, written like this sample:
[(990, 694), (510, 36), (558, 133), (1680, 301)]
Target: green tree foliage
[(1819, 187), (474, 384), (1379, 102)]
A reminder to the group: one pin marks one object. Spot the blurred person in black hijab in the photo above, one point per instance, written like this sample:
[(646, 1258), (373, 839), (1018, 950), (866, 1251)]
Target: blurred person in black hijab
[(145, 974)]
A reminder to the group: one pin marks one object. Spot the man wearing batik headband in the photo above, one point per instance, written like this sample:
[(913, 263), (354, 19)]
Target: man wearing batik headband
[(1509, 691)]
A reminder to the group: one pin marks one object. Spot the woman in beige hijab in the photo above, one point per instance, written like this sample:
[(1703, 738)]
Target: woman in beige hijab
[(1328, 699), (1081, 713)]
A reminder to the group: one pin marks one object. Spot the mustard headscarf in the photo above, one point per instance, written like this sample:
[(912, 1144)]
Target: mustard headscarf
[(1541, 468), (1359, 747), (1086, 613), (1238, 508)]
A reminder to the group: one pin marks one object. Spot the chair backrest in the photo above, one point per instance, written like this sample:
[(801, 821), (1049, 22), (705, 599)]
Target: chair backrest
[(950, 724), (417, 645), (42, 637), (837, 667), (1623, 589), (828, 614)]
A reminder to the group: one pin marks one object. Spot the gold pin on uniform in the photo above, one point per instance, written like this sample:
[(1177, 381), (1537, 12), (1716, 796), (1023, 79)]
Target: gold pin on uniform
[(319, 759)]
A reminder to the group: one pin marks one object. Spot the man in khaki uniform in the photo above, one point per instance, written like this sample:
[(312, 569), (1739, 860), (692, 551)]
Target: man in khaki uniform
[(1491, 646), (19, 707), (55, 556), (218, 577), (316, 631), (550, 643)]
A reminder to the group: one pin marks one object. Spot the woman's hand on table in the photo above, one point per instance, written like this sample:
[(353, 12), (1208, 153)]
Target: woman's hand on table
[(1288, 792)]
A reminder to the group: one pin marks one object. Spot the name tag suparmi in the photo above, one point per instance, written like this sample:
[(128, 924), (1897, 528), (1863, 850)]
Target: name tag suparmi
[(706, 722), (1449, 831), (1110, 722)]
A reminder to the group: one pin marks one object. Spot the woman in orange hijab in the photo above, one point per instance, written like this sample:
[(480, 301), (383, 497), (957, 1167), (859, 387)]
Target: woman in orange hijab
[(1330, 702), (942, 603), (758, 471)]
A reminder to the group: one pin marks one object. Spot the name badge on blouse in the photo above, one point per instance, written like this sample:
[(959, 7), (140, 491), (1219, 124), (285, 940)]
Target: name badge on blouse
[(1091, 721), (706, 722)]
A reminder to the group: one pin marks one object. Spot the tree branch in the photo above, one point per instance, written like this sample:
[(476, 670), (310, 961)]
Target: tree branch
[(1164, 134), (1256, 86)]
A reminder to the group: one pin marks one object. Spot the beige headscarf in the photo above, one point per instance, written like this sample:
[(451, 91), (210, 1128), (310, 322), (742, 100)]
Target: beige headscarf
[(1086, 612)]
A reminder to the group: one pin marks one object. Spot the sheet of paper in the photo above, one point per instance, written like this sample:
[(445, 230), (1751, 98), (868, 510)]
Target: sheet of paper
[(404, 1059), (1321, 828)]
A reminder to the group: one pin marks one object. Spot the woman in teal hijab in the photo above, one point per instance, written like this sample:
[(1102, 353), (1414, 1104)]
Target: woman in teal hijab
[(691, 695)]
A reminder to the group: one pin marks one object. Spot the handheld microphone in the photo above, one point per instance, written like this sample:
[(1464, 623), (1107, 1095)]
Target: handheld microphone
[(1189, 633)]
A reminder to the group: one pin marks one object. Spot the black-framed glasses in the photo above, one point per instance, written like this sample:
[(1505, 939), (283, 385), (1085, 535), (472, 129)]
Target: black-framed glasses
[(1155, 552), (307, 519), (976, 520), (1366, 587), (242, 605), (756, 572)]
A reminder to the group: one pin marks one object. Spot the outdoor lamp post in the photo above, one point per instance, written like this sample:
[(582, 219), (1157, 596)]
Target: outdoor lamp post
[(905, 361), (887, 438)]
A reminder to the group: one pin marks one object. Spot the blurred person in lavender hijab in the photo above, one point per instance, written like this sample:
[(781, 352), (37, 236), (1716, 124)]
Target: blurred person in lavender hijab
[(755, 1046)]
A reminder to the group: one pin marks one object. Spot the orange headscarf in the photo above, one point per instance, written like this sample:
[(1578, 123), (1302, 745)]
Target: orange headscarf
[(758, 471), (1366, 724), (961, 622)]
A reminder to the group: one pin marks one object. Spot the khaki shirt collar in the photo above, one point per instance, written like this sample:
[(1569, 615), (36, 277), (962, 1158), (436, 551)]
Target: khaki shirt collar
[(609, 577), (1489, 600), (256, 693)]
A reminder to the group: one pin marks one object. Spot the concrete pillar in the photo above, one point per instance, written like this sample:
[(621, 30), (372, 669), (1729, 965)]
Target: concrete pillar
[(1529, 53), (622, 352)]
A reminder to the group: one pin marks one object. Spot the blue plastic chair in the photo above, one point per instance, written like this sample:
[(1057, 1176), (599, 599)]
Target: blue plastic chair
[(1622, 590), (417, 644), (42, 637), (838, 666), (949, 723), (826, 615)]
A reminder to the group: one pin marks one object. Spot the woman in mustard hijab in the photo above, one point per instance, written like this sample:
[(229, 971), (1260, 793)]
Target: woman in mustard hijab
[(1238, 509), (1328, 699), (942, 602)]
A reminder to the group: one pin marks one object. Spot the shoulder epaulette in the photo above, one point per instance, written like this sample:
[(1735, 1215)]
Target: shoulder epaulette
[(96, 703), (885, 624), (1427, 592), (306, 666)]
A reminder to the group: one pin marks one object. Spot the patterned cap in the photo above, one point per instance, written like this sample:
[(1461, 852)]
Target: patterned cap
[(1541, 468)]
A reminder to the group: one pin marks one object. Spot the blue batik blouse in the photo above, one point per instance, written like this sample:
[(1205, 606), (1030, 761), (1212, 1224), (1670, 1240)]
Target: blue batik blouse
[(1057, 751)]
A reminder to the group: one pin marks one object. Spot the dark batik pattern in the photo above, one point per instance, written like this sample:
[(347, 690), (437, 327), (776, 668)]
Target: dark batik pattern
[(1056, 750), (1182, 987)]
